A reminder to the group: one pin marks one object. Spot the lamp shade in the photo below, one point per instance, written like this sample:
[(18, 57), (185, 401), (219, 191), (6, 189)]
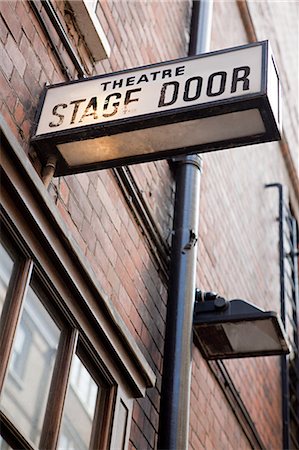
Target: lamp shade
[(237, 330)]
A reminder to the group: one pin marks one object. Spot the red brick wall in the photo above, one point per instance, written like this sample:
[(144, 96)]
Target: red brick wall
[(238, 255)]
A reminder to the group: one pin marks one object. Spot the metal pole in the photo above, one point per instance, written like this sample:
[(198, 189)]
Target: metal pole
[(176, 379)]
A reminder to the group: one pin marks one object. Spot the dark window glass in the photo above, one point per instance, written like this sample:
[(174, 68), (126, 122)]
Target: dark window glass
[(6, 270)]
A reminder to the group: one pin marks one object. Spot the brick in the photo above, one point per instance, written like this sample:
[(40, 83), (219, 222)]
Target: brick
[(6, 62), (3, 31), (109, 209), (11, 100), (39, 45), (41, 51), (102, 259), (80, 196), (136, 318), (113, 279), (131, 446), (64, 191), (137, 437), (133, 232), (102, 18), (125, 301), (11, 20), (129, 244), (27, 25), (56, 77), (32, 59), (42, 79), (94, 199), (84, 181), (89, 235), (26, 132), (105, 63), (21, 90), (124, 12), (15, 55), (33, 86), (104, 241), (149, 433), (19, 113), (118, 245), (72, 227), (75, 212), (111, 21)]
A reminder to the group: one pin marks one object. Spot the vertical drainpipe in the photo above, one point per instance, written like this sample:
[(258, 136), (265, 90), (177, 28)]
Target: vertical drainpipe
[(176, 378)]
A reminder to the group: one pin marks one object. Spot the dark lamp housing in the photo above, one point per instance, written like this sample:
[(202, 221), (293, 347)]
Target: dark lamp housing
[(237, 329)]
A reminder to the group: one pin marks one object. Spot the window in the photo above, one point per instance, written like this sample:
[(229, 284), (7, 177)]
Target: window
[(82, 384), (82, 396), (4, 445), (6, 271), (30, 369), (20, 354), (47, 356)]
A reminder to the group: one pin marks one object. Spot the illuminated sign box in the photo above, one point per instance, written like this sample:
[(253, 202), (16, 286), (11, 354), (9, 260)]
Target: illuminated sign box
[(217, 100)]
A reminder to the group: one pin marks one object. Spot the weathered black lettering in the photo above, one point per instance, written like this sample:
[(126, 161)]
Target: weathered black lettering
[(210, 92), (166, 73), (117, 83), (143, 78), (76, 107), (130, 81), (245, 71), (197, 82), (128, 98), (90, 110), (55, 113), (155, 74), (105, 84), (115, 104), (179, 71), (175, 91)]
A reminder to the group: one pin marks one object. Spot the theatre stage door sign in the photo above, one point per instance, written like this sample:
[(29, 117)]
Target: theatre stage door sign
[(227, 98)]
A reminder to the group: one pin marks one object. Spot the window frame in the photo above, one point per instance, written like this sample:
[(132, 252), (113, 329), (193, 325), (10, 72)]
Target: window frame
[(17, 289), (36, 227), (70, 343)]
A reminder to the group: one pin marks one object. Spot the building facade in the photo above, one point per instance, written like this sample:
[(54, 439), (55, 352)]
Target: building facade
[(85, 258)]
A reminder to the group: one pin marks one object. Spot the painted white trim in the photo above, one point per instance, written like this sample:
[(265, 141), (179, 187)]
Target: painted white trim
[(91, 28)]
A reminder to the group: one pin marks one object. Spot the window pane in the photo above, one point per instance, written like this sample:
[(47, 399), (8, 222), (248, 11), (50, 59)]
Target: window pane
[(79, 409), (6, 268), (30, 368), (4, 445)]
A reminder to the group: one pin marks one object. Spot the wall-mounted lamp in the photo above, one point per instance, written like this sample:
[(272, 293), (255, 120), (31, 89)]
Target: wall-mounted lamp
[(236, 329)]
